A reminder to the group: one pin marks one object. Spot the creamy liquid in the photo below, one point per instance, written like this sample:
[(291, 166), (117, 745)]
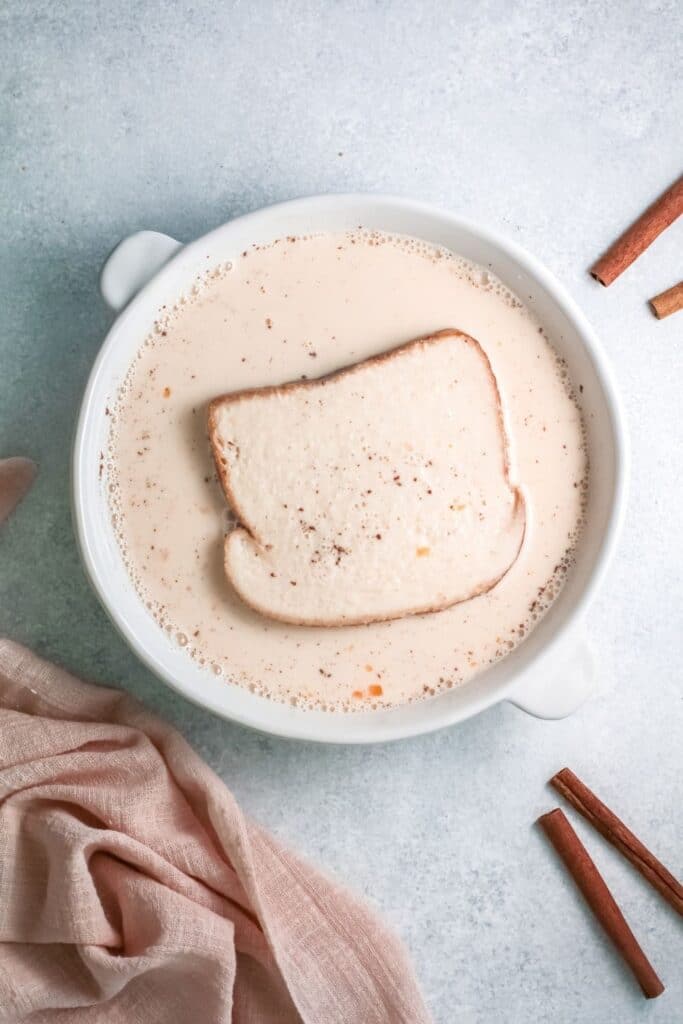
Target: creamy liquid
[(300, 308)]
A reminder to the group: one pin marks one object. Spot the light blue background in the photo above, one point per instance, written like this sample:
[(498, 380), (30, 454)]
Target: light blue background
[(553, 122)]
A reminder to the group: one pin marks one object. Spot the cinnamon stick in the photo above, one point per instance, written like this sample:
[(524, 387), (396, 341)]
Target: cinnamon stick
[(600, 899), (613, 829), (629, 246), (668, 302)]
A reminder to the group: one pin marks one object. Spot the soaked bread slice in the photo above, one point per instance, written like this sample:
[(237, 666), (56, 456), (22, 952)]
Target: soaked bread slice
[(378, 492)]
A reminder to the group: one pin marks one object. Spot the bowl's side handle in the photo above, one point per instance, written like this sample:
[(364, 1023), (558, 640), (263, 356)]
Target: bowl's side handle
[(132, 264), (560, 685)]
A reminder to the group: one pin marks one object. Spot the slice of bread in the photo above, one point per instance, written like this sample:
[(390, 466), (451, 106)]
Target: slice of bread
[(380, 491)]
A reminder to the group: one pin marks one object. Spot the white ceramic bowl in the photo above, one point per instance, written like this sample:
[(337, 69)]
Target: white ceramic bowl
[(549, 674)]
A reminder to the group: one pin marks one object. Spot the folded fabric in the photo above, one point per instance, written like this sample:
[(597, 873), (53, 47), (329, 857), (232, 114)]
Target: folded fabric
[(16, 477), (133, 889)]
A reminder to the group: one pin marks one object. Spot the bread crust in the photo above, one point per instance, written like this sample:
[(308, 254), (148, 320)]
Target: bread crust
[(223, 471)]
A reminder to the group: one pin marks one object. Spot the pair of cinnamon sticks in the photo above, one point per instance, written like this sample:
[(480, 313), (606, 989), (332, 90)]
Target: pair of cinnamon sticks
[(590, 881), (629, 246)]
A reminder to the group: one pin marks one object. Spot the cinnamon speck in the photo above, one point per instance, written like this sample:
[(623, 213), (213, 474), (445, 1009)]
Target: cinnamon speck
[(166, 392), (339, 551)]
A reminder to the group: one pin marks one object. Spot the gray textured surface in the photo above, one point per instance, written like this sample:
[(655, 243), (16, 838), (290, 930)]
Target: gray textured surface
[(553, 122)]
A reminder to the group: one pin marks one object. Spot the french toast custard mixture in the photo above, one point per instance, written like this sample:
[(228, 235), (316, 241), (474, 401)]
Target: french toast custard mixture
[(297, 309)]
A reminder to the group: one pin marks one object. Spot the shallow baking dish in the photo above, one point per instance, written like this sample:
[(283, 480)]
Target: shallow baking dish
[(550, 673)]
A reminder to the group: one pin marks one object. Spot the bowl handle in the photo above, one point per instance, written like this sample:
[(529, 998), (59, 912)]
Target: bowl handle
[(559, 685), (132, 264)]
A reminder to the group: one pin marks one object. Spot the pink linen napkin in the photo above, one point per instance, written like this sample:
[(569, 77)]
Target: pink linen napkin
[(133, 889), (16, 476)]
